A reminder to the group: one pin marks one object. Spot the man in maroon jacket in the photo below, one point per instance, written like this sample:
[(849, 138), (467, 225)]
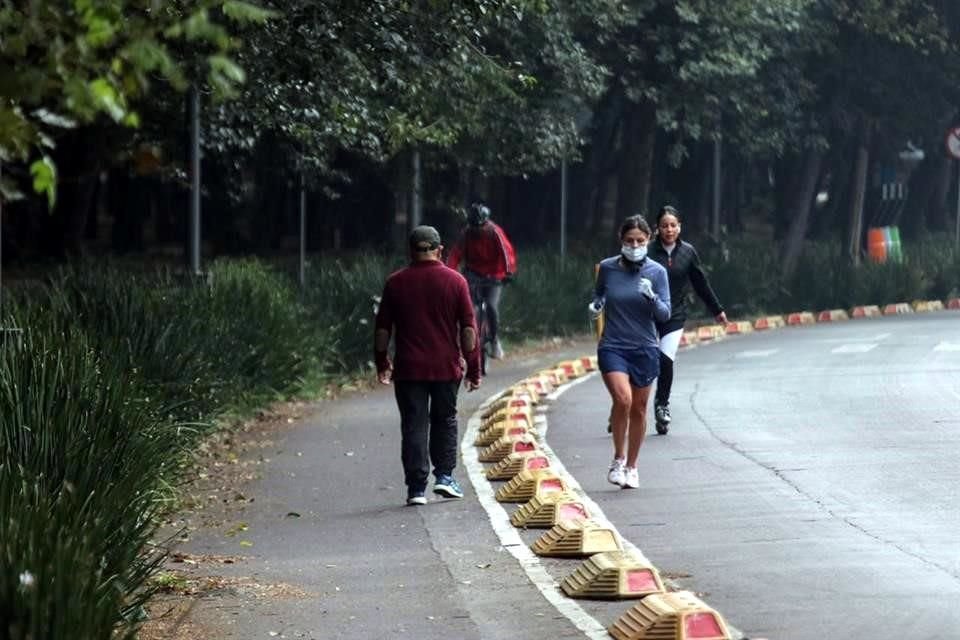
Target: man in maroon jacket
[(427, 308)]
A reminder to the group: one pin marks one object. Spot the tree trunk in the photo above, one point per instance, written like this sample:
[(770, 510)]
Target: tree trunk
[(636, 167), (798, 212), (79, 166), (859, 187), (941, 214)]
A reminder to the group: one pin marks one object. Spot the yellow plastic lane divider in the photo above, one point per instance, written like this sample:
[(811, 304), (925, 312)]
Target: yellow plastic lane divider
[(801, 317), (527, 484), (688, 338), (577, 539), (670, 616), (923, 306), (866, 311), (738, 327), (833, 315), (503, 428), (514, 463), (709, 332), (897, 309), (547, 511), (613, 575), (769, 322), (505, 446)]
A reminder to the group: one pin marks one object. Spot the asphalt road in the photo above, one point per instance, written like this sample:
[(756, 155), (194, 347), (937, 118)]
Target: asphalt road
[(808, 489), (810, 484)]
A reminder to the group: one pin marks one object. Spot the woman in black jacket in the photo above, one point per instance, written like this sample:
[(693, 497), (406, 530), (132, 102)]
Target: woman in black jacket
[(683, 268)]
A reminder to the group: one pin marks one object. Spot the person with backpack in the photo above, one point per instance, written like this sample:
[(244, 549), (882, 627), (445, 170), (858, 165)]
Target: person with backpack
[(489, 261)]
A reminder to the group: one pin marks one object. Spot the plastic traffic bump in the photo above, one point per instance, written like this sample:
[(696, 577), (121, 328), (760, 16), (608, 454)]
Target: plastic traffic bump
[(769, 322), (688, 338), (897, 308), (505, 446), (573, 368), (514, 463), (511, 402), (800, 317), (521, 415), (529, 387), (670, 616), (922, 306), (527, 484), (865, 311), (733, 328), (546, 511), (576, 539), (709, 332), (503, 428), (832, 315), (953, 303), (589, 362), (613, 575), (542, 383), (556, 376)]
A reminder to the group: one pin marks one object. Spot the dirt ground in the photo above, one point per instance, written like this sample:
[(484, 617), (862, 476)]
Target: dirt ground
[(215, 493)]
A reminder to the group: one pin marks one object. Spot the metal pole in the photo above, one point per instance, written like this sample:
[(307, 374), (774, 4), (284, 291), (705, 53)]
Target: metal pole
[(716, 189), (1, 247), (195, 180), (416, 205), (303, 230), (563, 208)]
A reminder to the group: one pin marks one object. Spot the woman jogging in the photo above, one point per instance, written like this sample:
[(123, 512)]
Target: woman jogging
[(633, 294), (683, 267)]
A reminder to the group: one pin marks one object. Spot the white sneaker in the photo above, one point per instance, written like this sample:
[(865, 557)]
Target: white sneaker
[(631, 479), (497, 350), (615, 475)]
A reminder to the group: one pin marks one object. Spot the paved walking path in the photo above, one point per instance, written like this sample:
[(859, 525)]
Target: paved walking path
[(330, 551)]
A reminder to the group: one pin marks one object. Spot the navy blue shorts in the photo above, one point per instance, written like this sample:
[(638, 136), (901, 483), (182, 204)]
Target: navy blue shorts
[(642, 365)]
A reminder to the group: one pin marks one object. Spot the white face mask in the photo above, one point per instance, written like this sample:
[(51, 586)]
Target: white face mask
[(633, 254)]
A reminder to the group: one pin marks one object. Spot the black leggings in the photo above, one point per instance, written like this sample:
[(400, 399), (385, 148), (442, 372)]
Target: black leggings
[(665, 381)]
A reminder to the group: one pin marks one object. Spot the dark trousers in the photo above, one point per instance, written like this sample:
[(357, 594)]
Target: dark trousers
[(428, 426), (665, 381), (488, 290)]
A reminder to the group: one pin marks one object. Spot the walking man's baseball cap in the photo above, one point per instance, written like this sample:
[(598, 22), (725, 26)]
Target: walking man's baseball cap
[(424, 238)]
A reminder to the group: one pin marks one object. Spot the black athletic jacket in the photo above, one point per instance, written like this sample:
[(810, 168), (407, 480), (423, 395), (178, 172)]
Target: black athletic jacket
[(683, 267)]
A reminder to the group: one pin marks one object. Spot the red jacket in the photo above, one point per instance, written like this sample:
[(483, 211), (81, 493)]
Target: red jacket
[(485, 250)]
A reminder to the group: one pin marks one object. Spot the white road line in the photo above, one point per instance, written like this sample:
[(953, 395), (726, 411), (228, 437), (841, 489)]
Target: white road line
[(759, 353), (509, 537), (947, 346), (854, 348)]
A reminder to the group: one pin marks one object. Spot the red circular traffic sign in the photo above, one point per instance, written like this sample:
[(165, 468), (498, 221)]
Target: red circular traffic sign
[(953, 142)]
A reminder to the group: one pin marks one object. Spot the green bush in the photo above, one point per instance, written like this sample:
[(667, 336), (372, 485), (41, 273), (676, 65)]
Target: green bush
[(80, 468)]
